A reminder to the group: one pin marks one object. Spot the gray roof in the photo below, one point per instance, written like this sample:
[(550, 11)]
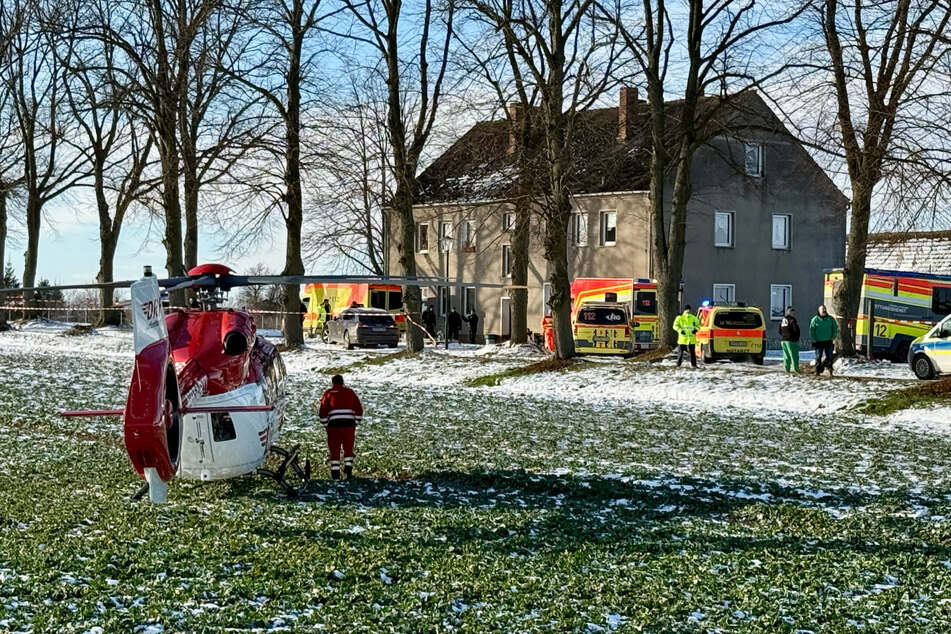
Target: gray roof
[(921, 252)]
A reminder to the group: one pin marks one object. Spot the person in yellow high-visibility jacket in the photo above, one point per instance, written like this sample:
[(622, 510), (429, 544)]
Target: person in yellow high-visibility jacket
[(686, 325)]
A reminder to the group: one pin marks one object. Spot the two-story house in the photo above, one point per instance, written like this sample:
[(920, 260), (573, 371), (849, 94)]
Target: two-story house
[(763, 221)]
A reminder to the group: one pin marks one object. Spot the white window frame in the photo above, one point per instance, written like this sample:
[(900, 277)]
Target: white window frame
[(758, 169), (731, 288), (506, 260), (787, 300), (787, 237), (579, 229), (508, 220), (419, 228), (546, 295), (443, 300), (466, 305), (602, 230), (445, 231), (731, 229), (468, 236)]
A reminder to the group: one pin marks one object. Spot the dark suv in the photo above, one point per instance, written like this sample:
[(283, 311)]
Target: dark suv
[(363, 327)]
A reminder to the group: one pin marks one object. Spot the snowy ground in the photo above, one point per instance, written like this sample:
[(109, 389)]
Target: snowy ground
[(613, 497)]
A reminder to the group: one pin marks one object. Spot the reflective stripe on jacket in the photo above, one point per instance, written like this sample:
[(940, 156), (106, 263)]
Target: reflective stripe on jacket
[(340, 407)]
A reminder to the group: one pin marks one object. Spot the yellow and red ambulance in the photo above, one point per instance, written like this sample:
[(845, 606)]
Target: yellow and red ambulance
[(638, 295), (388, 297), (602, 328), (896, 307), (731, 331)]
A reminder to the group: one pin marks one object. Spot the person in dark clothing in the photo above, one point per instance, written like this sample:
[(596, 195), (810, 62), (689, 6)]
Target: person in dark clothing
[(823, 330), (453, 325), (429, 320), (326, 310), (789, 333), (472, 318)]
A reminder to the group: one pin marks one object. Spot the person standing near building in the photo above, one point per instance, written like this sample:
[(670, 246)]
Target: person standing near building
[(429, 321), (789, 334), (472, 318), (823, 330), (340, 413), (453, 325), (686, 325)]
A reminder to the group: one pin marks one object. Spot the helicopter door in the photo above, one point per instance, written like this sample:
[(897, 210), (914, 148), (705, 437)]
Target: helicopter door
[(198, 448)]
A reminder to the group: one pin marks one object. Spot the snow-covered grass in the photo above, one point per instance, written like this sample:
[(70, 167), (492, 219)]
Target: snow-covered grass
[(615, 497)]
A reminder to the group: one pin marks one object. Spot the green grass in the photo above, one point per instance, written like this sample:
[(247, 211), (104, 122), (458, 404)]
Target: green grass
[(547, 365), (369, 361), (919, 395), (477, 513)]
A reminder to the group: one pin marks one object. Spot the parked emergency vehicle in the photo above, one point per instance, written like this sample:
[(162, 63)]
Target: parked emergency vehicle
[(387, 297), (930, 355), (731, 331), (602, 328), (896, 308), (638, 295)]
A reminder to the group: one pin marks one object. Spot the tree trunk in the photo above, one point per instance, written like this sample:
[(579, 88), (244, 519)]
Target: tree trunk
[(190, 187), (34, 208), (3, 228), (173, 210), (668, 305), (293, 263), (412, 295), (847, 296), (556, 253), (521, 236), (108, 237)]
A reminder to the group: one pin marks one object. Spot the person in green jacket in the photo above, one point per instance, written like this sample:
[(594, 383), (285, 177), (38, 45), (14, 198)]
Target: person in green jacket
[(823, 330), (686, 325), (789, 334)]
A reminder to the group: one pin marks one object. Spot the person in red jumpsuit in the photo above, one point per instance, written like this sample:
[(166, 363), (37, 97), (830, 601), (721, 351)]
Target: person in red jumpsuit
[(340, 413)]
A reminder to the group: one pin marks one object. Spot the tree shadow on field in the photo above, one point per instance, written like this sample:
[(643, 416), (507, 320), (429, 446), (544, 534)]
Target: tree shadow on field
[(526, 511)]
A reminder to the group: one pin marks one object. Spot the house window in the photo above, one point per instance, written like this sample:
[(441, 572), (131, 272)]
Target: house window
[(444, 298), (445, 236), (723, 229), (781, 225), (469, 300), (468, 236), (422, 237), (608, 228), (724, 293), (508, 221), (780, 298), (753, 155), (579, 230), (546, 297), (506, 260)]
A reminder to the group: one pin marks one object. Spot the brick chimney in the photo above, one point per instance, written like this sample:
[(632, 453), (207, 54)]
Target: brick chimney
[(515, 113), (626, 113)]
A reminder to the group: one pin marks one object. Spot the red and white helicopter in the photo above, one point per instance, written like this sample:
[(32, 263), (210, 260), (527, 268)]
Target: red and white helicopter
[(207, 394)]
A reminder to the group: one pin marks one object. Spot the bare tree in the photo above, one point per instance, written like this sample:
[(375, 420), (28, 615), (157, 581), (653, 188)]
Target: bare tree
[(115, 144), (352, 180), (492, 50), (11, 142), (413, 96), (281, 75), (36, 80), (155, 37), (718, 40), (565, 52), (886, 63)]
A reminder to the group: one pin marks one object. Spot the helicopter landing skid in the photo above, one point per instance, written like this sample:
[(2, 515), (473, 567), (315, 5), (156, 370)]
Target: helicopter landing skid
[(290, 465)]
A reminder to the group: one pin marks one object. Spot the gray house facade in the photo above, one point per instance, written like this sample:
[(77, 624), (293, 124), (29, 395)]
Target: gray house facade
[(763, 221)]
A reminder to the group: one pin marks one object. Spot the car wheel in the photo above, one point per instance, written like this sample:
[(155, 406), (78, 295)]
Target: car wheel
[(346, 341), (325, 334), (923, 368)]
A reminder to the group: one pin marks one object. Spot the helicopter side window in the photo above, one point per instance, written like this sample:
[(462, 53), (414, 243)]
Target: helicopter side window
[(222, 427)]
